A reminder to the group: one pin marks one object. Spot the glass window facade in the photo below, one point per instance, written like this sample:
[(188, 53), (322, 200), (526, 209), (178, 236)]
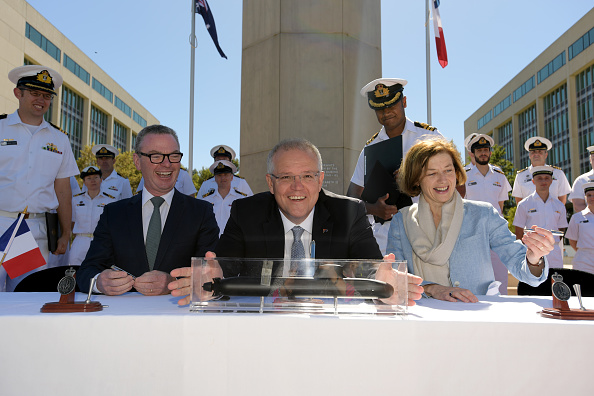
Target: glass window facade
[(133, 145), (551, 68), (139, 120), (76, 69), (524, 89), (485, 119), (98, 126), (120, 104), (120, 136), (581, 44), (556, 126), (527, 128), (504, 104), (72, 118), (584, 83), (106, 93), (32, 34), (506, 140)]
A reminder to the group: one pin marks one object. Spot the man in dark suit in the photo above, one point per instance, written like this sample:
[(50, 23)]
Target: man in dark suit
[(151, 233), (262, 225)]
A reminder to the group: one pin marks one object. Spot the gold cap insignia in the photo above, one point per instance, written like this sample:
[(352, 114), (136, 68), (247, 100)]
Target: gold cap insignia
[(537, 143), (381, 90), (482, 141), (221, 150), (220, 165), (44, 77)]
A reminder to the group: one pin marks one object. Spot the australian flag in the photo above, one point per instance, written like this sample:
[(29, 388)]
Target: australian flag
[(203, 9)]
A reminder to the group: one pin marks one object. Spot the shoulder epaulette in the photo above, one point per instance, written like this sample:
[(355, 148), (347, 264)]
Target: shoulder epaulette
[(76, 195), (3, 116), (496, 169), (110, 196), (522, 170), (209, 178), (424, 126), (239, 177), (372, 138), (467, 169), (210, 192), (239, 192), (120, 175), (556, 167), (58, 128)]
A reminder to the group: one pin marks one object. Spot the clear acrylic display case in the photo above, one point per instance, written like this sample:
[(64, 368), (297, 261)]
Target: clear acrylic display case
[(313, 286)]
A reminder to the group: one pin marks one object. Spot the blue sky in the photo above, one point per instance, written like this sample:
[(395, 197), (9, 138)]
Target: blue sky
[(144, 46)]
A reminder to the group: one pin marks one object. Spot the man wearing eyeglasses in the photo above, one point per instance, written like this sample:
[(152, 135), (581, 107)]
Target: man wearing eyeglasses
[(36, 162), (295, 211), (145, 237)]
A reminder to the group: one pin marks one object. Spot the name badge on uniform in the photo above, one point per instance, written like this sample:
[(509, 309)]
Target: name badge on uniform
[(585, 221), (8, 142), (472, 183), (532, 211), (81, 203)]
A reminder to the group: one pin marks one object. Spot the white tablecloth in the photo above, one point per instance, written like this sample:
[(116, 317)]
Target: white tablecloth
[(148, 346)]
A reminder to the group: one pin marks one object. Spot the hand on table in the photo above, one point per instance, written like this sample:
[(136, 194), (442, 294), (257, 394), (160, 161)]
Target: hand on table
[(183, 285), (114, 283), (389, 275), (153, 283), (452, 294)]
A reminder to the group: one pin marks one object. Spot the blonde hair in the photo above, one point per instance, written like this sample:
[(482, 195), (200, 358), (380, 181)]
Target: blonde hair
[(413, 165)]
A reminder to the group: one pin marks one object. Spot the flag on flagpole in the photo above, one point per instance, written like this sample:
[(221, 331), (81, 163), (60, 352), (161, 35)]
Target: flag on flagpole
[(203, 9), (442, 54), (22, 253)]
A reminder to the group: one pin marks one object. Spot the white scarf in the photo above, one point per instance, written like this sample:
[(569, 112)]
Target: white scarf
[(432, 247)]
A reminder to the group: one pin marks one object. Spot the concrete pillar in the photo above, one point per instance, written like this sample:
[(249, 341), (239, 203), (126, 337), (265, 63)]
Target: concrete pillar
[(303, 64)]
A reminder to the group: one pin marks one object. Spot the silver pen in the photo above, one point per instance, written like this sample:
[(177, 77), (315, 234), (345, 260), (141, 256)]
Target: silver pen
[(554, 232)]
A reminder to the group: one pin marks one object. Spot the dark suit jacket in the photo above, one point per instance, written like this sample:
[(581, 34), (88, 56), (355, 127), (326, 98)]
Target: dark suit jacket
[(190, 231), (255, 230)]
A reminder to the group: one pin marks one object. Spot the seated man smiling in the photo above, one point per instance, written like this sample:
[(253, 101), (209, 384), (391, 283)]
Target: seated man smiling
[(294, 212)]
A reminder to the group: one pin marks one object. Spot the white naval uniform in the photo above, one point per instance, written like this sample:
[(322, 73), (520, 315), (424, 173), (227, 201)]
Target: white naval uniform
[(493, 188), (410, 136), (237, 182), (550, 215), (29, 165), (577, 191), (183, 184), (581, 229), (85, 215), (523, 185), (115, 185), (222, 206)]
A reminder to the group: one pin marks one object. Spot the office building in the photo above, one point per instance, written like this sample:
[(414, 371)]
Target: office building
[(90, 106), (551, 97)]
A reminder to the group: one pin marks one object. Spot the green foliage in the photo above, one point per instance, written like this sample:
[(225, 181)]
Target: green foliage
[(124, 165), (509, 216), (498, 159)]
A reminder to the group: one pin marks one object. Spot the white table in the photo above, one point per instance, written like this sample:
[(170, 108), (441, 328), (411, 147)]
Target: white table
[(148, 346)]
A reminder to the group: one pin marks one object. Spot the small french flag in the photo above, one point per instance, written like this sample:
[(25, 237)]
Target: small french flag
[(442, 54), (22, 254)]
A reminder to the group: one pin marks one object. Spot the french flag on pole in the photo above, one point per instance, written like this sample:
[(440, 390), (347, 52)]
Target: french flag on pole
[(20, 252), (442, 54)]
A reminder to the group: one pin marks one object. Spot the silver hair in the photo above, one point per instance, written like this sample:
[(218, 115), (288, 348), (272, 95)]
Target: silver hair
[(293, 144), (153, 130)]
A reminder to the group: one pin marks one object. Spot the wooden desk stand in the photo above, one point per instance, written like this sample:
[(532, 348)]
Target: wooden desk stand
[(561, 310)]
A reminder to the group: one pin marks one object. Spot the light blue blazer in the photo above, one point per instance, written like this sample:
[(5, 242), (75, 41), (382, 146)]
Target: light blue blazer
[(483, 229)]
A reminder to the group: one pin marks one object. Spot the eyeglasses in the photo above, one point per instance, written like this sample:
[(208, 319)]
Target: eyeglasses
[(37, 94), (157, 158), (306, 178)]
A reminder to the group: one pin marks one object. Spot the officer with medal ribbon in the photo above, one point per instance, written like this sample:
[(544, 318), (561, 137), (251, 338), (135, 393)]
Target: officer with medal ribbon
[(487, 183), (36, 162), (538, 149), (224, 153), (86, 208), (581, 232), (223, 195), (386, 97), (577, 197), (543, 209), (113, 183)]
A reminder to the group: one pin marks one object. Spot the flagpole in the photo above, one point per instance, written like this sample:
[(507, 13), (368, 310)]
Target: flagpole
[(16, 229), (427, 61), (193, 44)]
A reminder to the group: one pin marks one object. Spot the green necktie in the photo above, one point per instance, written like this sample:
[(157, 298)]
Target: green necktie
[(153, 235)]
